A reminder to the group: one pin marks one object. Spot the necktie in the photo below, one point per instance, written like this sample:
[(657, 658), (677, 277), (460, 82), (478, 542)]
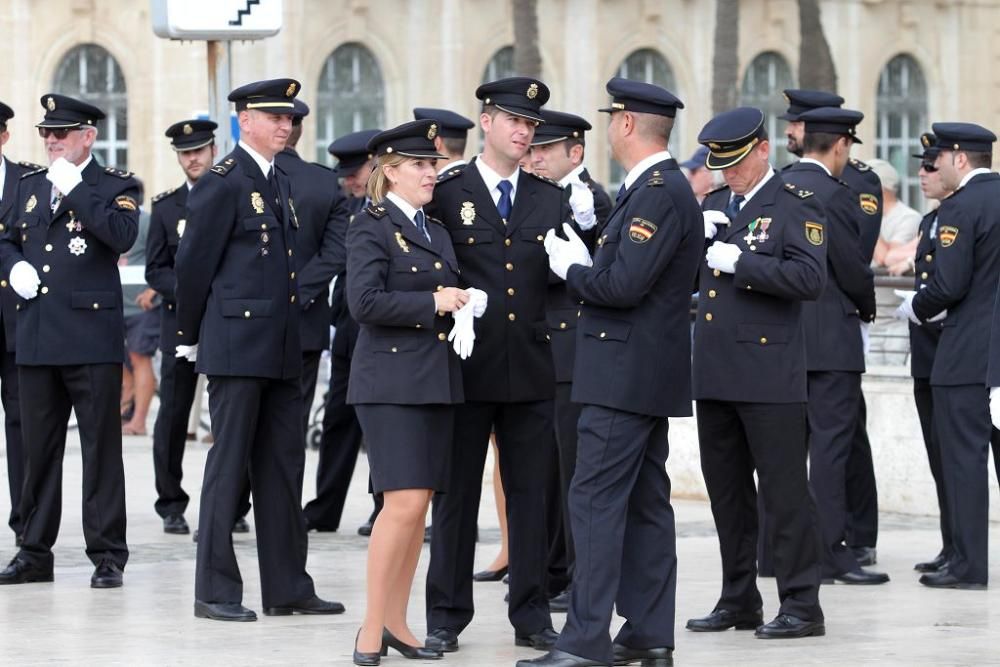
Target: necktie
[(56, 198), (621, 192), (504, 204), (733, 209), (418, 220), (273, 182)]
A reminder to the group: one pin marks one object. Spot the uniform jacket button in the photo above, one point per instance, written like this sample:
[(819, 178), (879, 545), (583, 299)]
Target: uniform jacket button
[(511, 316), (246, 314), (413, 268), (923, 276), (442, 336), (45, 290), (763, 340), (506, 242), (395, 350), (604, 334), (716, 273), (711, 294), (562, 325), (929, 258), (509, 266), (437, 265), (510, 291), (470, 240), (708, 317), (3, 283), (48, 247)]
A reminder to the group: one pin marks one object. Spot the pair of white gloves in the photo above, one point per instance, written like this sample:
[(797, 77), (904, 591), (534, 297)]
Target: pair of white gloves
[(23, 277), (721, 256), (564, 254), (463, 333)]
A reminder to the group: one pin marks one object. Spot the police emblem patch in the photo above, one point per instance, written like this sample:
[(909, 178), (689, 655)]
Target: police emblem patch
[(641, 230), (468, 212), (869, 203), (50, 104), (30, 205), (814, 233), (432, 131), (257, 201), (126, 203), (77, 245), (947, 235), (532, 91)]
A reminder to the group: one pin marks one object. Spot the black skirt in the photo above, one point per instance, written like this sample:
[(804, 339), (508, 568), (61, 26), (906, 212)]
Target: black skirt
[(409, 446)]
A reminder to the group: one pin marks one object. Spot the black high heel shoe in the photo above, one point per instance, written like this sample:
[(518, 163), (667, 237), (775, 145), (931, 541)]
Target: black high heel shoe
[(407, 651), (367, 659)]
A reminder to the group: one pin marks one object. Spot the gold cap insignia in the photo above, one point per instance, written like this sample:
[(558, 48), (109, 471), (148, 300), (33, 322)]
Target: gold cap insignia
[(50, 104), (617, 105), (925, 140), (432, 131), (291, 90), (714, 146), (532, 91), (187, 128)]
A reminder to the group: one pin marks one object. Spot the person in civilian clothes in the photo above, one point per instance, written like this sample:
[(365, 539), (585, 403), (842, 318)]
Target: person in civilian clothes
[(402, 279)]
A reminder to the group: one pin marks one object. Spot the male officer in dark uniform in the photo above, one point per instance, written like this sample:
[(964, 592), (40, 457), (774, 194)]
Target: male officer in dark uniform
[(340, 440), (632, 372), (10, 174), (452, 137), (498, 216), (961, 295), (862, 493), (557, 152), (833, 327), (750, 376), (60, 252), (238, 319)]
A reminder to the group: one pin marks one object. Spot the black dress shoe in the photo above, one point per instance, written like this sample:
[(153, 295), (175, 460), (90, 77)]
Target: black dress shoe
[(367, 659), (859, 578), (490, 575), (723, 619), (866, 556), (945, 579), (313, 605), (174, 524), (932, 565), (107, 574), (365, 530), (412, 652), (444, 640), (556, 658), (543, 640), (20, 571), (310, 527), (223, 611), (560, 603), (647, 657), (241, 526), (786, 626)]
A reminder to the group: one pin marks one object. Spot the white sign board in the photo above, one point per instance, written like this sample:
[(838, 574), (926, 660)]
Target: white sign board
[(216, 19)]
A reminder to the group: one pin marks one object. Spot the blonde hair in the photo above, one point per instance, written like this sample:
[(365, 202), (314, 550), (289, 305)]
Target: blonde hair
[(378, 182)]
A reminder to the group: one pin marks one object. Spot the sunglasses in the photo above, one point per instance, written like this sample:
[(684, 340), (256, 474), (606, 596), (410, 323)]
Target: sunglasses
[(57, 132), (928, 167)]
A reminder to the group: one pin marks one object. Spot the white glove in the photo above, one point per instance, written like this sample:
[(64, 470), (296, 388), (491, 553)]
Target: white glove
[(713, 218), (24, 279), (995, 406), (866, 340), (478, 299), (905, 309), (463, 333), (723, 256), (64, 175), (940, 316), (564, 254), (581, 200), (189, 352)]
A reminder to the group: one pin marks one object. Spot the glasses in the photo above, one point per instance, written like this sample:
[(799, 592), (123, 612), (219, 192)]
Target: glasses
[(928, 167), (57, 132)]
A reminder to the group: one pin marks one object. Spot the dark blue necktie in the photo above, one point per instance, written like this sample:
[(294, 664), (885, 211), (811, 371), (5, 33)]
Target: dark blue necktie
[(733, 209), (621, 191), (504, 204), (418, 220)]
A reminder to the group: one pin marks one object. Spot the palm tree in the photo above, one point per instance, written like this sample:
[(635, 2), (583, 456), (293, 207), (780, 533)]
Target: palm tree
[(725, 61), (527, 59), (816, 68)]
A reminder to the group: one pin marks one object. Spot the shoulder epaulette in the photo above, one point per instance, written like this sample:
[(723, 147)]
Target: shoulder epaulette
[(655, 179), (450, 174), (319, 164), (164, 195), (795, 190), (30, 165), (434, 220), (545, 179), (40, 170), (859, 165), (377, 211), (223, 168), (718, 189), (118, 172)]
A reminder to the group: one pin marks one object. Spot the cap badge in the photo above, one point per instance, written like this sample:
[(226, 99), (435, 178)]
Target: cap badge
[(187, 129), (50, 104), (468, 213), (257, 202), (291, 90), (532, 91), (714, 146), (925, 140), (432, 131)]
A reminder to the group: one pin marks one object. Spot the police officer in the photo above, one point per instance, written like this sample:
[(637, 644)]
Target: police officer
[(862, 493), (238, 319), (10, 174), (961, 294), (497, 216), (452, 137), (769, 256), (557, 152), (69, 225), (632, 371), (834, 327), (340, 440)]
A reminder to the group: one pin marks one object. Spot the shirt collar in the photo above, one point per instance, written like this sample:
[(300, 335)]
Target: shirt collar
[(809, 160), (572, 177), (491, 178), (644, 164), (3, 173), (265, 165), (755, 189), (972, 174), (403, 205), (451, 165)]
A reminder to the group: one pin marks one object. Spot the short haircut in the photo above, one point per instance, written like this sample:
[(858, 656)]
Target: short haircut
[(979, 159), (3, 126), (654, 127), (820, 142), (491, 110), (455, 145), (574, 141)]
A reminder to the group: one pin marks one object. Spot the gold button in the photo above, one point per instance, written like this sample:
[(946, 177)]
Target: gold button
[(3, 283), (17, 307), (470, 240), (923, 276), (753, 247), (440, 287), (506, 242), (509, 266), (708, 316), (438, 265), (562, 325), (96, 306), (748, 287), (604, 334), (419, 326), (24, 238), (511, 316), (48, 247), (292, 298), (539, 238), (547, 337), (510, 291), (441, 313), (763, 340), (45, 290), (442, 336), (263, 225), (929, 258), (180, 333), (413, 268), (716, 273), (711, 294), (600, 241), (46, 268), (23, 225), (2, 227), (395, 350), (170, 306), (292, 275), (289, 252), (246, 314)]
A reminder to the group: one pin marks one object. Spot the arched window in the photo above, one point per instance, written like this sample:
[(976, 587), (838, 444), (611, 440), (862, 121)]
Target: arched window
[(902, 115), (350, 96), (500, 66), (766, 77), (649, 66), (88, 72)]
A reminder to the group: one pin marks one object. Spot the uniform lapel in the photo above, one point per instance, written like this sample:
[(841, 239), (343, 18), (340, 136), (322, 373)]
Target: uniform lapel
[(524, 201), (753, 209), (407, 228), (476, 192), (260, 184), (180, 201)]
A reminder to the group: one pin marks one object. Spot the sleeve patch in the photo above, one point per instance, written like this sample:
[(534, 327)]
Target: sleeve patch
[(126, 203), (641, 230), (814, 233), (869, 203), (947, 235)]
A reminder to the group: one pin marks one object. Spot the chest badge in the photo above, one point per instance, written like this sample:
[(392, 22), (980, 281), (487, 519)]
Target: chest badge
[(468, 213), (402, 242), (758, 230), (257, 202), (181, 224), (73, 225), (77, 246), (30, 205), (295, 218)]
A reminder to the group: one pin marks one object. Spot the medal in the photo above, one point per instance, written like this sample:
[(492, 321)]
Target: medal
[(752, 232), (764, 224), (77, 245), (468, 213)]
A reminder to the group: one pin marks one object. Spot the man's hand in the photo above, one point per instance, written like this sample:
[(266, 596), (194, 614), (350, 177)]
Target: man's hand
[(189, 352), (24, 280), (866, 337), (64, 175), (581, 200), (995, 406), (478, 300), (145, 299), (713, 218), (905, 309), (450, 299), (723, 256), (564, 254)]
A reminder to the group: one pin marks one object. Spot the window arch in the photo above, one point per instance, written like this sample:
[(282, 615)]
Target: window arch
[(90, 73), (901, 110), (764, 80), (350, 96), (500, 66), (650, 66)]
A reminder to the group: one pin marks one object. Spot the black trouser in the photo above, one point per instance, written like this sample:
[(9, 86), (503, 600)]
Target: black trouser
[(923, 397), (9, 394), (256, 423), (561, 553), (833, 413), (735, 439), (310, 370), (963, 430), (862, 492), (623, 530), (524, 435), (50, 393), (178, 381), (338, 450)]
